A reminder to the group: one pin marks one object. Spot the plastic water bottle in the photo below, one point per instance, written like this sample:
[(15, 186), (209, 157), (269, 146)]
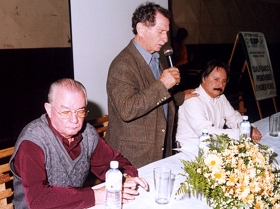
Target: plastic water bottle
[(244, 128), (202, 137), (113, 187)]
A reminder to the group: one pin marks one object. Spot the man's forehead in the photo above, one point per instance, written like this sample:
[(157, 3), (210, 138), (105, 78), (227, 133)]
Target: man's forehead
[(66, 93), (160, 18), (217, 73)]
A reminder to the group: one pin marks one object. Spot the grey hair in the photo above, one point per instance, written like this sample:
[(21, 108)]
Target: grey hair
[(68, 84)]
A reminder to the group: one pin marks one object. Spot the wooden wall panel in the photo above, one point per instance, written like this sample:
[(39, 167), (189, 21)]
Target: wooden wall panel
[(218, 21), (34, 24)]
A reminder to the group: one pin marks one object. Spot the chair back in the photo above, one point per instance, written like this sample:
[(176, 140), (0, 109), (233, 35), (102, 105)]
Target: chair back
[(6, 179), (237, 102), (100, 124)]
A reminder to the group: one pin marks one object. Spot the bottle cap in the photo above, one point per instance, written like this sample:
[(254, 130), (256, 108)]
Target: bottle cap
[(245, 117), (114, 164), (205, 130)]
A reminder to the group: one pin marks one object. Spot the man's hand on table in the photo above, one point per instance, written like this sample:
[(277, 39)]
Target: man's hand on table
[(256, 135), (99, 195), (130, 187)]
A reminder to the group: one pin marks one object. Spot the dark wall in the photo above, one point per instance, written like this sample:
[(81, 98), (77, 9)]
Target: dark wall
[(25, 77)]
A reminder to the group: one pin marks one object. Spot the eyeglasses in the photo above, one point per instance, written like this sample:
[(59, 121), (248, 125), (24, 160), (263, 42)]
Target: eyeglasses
[(81, 113)]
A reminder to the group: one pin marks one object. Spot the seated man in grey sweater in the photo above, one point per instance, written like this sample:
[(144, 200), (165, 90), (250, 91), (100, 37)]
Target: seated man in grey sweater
[(55, 153)]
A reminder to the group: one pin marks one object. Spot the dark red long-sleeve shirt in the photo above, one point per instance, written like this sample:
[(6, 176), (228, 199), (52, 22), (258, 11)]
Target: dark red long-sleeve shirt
[(29, 165)]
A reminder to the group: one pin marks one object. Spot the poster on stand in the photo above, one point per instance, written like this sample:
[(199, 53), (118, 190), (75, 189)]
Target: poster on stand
[(260, 65)]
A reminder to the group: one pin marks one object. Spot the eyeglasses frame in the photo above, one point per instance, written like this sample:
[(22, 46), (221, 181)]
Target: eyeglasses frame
[(75, 112)]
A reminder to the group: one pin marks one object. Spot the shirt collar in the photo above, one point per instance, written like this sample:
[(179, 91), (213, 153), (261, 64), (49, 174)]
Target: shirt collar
[(145, 54)]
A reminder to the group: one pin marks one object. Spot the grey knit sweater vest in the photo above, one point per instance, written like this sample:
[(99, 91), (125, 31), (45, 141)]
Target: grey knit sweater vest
[(61, 169)]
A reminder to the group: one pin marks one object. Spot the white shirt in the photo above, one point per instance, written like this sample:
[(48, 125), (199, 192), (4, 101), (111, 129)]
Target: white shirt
[(202, 112)]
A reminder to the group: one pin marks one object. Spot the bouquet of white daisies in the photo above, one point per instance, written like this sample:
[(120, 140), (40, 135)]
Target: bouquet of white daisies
[(234, 174)]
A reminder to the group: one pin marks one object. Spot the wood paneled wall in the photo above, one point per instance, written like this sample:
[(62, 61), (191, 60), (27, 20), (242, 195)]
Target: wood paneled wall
[(34, 24), (218, 21)]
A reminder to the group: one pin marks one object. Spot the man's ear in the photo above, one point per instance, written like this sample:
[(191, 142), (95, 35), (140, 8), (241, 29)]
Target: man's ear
[(48, 108), (203, 80), (140, 27)]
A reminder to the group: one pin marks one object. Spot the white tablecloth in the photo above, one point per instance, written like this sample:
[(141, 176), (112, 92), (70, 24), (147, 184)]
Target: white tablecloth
[(146, 199), (273, 142)]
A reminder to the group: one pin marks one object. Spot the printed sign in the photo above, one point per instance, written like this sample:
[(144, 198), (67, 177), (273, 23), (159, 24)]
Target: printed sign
[(260, 65)]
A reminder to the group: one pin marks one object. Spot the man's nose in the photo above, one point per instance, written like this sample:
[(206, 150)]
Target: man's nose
[(165, 38), (221, 84), (74, 118)]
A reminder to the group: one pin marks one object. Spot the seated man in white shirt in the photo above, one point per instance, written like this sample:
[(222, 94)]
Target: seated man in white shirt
[(210, 110)]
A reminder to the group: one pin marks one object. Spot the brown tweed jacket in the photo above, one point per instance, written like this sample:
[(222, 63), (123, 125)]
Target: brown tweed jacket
[(137, 125)]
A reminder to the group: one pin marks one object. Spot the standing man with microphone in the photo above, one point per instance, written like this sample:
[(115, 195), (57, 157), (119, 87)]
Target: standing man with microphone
[(140, 100)]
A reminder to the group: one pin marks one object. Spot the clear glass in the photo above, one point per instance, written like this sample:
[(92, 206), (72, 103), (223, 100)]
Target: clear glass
[(274, 125), (162, 181)]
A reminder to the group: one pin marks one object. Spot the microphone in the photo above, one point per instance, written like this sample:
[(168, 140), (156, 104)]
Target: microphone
[(168, 51)]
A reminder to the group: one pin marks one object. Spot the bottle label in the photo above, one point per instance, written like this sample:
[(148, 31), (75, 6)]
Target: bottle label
[(114, 185), (114, 181)]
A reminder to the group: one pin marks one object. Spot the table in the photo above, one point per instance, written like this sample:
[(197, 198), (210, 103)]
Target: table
[(146, 199), (273, 142)]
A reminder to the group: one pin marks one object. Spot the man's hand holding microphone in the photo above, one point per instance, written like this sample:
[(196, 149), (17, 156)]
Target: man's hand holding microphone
[(170, 76)]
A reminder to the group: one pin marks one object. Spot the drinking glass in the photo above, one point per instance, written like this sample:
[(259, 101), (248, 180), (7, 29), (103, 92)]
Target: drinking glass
[(162, 181), (274, 125)]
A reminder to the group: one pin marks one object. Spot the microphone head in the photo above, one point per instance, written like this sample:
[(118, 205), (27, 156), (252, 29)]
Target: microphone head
[(168, 51)]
